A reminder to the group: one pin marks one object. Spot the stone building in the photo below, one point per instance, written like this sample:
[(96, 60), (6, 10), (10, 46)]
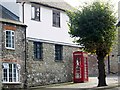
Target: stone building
[(49, 45), (48, 57), (12, 50), (41, 53), (54, 65)]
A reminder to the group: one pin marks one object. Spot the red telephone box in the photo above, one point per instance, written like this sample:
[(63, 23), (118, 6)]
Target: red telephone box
[(80, 67)]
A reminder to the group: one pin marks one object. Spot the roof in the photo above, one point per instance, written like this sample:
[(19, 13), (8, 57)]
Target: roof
[(53, 42), (12, 22), (58, 4), (6, 14)]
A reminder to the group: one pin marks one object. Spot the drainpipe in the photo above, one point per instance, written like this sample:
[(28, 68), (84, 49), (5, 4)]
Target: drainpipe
[(23, 9), (25, 73), (25, 81)]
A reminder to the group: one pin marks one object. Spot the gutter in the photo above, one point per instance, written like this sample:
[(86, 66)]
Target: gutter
[(25, 73), (25, 82)]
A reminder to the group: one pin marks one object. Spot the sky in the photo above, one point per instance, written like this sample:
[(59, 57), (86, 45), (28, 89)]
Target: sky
[(74, 3), (80, 2), (77, 3)]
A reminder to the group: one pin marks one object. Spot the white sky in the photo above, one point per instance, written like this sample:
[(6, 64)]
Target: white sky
[(77, 3)]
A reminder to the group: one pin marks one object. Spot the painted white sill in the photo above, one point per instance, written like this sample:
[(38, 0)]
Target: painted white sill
[(10, 48), (11, 82)]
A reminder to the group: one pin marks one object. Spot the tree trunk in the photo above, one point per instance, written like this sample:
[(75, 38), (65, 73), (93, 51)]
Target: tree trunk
[(101, 69)]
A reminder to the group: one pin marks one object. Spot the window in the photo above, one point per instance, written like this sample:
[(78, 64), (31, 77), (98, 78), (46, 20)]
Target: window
[(10, 72), (118, 59), (37, 50), (58, 52), (9, 39), (56, 18), (36, 12)]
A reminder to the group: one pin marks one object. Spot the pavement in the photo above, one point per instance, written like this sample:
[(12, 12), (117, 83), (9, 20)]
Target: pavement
[(112, 82)]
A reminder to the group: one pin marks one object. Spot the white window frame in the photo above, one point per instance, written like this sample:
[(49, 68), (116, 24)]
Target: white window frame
[(11, 39), (17, 73)]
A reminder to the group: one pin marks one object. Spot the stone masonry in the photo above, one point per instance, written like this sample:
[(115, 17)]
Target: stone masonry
[(15, 56), (47, 70)]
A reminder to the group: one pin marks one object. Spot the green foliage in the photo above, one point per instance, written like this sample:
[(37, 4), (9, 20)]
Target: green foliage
[(94, 27)]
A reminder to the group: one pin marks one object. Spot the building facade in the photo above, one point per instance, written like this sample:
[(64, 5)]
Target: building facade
[(12, 53), (46, 57), (40, 54), (54, 64)]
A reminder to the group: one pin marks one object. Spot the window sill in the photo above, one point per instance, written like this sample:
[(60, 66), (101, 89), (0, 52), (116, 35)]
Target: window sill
[(59, 61), (56, 26), (10, 48), (38, 59), (11, 82), (36, 20)]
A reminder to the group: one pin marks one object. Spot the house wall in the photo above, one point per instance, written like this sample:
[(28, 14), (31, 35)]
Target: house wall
[(44, 29), (93, 65), (0, 55), (15, 56), (48, 71), (114, 57), (118, 38)]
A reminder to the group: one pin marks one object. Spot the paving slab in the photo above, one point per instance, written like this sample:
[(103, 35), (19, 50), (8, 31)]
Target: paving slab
[(112, 81)]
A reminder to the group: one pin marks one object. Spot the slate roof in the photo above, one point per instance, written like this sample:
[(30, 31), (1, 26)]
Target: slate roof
[(6, 14), (58, 4)]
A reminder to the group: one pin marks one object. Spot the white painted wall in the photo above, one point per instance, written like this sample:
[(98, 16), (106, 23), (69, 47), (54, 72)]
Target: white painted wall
[(44, 28)]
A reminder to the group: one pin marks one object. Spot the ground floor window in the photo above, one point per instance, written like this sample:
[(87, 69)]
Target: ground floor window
[(10, 72), (58, 52), (38, 50)]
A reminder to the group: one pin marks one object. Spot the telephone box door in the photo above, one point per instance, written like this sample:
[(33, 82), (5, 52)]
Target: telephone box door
[(80, 67), (78, 70)]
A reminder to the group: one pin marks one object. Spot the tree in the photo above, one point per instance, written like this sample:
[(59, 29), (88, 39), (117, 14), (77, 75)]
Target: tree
[(94, 28)]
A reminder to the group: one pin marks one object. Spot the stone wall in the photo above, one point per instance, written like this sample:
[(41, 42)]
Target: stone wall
[(0, 55), (114, 54), (47, 70), (93, 65), (114, 59), (16, 55), (119, 44)]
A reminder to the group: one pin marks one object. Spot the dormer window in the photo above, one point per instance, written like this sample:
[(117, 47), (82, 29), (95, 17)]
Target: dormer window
[(35, 12), (56, 18)]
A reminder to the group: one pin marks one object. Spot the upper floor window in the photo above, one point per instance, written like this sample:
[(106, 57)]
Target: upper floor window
[(9, 39), (38, 50), (10, 72), (58, 52), (56, 18), (35, 12)]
